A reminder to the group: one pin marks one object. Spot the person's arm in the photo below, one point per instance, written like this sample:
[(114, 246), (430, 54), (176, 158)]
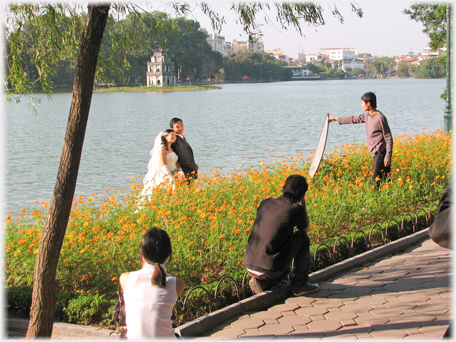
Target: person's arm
[(180, 286), (353, 119), (388, 140), (123, 280), (180, 174), (303, 204), (163, 165)]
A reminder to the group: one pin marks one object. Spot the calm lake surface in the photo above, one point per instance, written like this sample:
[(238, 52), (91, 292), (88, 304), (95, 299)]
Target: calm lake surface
[(250, 121)]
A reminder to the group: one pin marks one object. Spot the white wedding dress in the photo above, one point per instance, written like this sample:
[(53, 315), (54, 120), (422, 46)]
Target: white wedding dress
[(155, 175)]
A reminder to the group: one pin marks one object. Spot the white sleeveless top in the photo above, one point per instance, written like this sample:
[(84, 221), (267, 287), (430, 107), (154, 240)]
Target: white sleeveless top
[(148, 308)]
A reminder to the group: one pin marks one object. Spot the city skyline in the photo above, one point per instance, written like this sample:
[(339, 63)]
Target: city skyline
[(383, 31)]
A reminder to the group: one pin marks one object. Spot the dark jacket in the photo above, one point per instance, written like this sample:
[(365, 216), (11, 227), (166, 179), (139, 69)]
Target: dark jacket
[(269, 242), (185, 155)]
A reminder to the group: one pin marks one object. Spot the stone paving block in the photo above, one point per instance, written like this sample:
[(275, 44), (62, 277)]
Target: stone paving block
[(352, 308), (335, 308), (319, 310), (413, 297), (446, 294), (288, 313), (320, 302), (422, 303), (301, 301), (432, 310), (306, 335), (397, 318), (378, 306), (348, 322), (343, 296), (418, 317), (401, 325), (397, 287), (337, 316), (358, 290), (364, 336), (247, 324), (254, 333), (434, 330), (399, 305), (416, 336), (355, 330), (266, 315), (276, 329), (284, 307), (294, 320), (320, 293), (231, 333), (340, 337), (383, 312), (324, 325), (370, 320), (388, 334), (438, 301), (371, 300), (332, 286)]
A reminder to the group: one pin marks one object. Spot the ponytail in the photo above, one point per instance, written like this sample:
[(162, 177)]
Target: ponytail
[(159, 276), (155, 248)]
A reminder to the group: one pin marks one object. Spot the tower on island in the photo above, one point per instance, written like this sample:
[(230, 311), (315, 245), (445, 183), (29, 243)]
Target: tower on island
[(160, 71)]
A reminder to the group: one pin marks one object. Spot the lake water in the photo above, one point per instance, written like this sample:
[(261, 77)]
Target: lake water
[(228, 127)]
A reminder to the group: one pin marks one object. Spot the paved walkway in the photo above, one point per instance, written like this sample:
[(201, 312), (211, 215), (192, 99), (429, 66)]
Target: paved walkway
[(404, 295)]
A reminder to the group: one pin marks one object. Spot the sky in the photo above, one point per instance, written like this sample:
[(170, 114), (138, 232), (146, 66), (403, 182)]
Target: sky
[(382, 31)]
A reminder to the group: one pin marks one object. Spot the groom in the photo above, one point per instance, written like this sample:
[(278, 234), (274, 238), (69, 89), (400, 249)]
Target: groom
[(183, 150)]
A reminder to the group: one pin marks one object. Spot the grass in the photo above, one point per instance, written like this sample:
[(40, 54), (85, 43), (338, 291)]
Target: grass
[(209, 222), (155, 89)]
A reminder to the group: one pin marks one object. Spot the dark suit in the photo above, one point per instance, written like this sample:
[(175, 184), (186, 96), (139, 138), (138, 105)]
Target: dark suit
[(185, 154)]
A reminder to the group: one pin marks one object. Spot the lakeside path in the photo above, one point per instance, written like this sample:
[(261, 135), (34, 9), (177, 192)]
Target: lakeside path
[(404, 295)]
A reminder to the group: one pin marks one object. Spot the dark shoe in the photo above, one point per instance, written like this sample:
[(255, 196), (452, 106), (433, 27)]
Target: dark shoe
[(255, 286), (306, 289)]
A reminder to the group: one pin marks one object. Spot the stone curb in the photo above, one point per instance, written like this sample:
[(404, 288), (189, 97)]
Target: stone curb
[(254, 303), (266, 299), (65, 330)]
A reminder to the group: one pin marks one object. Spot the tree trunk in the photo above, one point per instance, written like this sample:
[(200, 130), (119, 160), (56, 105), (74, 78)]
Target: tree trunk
[(43, 297)]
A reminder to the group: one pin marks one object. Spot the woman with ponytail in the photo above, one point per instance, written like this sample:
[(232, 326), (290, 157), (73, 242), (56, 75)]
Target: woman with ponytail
[(150, 293)]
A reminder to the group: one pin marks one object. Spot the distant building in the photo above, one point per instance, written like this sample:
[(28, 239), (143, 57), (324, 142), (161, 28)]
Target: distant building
[(313, 57), (339, 53), (160, 71), (275, 52), (219, 44), (239, 46), (352, 64), (429, 53), (248, 46)]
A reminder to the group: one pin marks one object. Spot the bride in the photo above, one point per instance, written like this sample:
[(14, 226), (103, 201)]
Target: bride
[(163, 164)]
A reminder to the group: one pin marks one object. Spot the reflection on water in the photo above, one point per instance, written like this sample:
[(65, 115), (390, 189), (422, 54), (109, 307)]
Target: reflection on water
[(227, 127)]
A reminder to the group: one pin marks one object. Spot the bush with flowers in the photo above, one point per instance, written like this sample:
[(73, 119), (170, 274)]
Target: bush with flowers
[(209, 221)]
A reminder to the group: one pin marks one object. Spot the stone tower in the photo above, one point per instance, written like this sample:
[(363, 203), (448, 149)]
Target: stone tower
[(160, 71)]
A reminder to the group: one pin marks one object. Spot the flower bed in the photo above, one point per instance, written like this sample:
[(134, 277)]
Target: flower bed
[(209, 222)]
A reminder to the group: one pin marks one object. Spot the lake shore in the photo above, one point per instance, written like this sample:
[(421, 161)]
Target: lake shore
[(155, 89)]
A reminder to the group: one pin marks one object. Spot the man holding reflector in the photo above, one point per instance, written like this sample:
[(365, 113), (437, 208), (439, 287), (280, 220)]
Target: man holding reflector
[(379, 137)]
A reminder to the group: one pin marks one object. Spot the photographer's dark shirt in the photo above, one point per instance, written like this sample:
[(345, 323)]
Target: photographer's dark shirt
[(269, 242)]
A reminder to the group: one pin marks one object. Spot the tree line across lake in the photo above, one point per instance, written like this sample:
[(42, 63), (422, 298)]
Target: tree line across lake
[(184, 41)]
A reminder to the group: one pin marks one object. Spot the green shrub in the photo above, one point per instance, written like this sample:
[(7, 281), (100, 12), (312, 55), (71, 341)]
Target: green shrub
[(90, 310), (19, 300)]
